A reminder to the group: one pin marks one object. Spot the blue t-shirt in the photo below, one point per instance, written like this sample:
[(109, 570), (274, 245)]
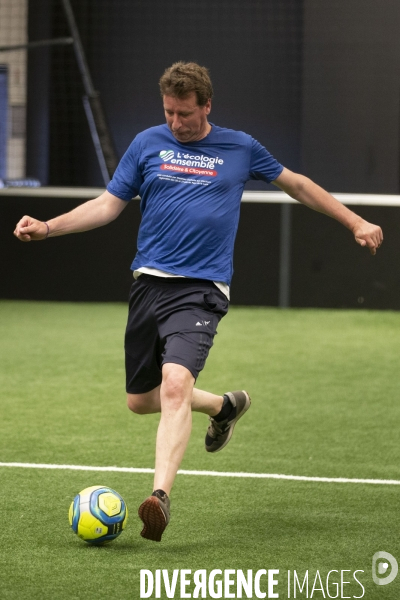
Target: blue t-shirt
[(190, 197)]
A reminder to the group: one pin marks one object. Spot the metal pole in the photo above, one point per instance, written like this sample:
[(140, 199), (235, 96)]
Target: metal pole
[(63, 41), (79, 52), (96, 139), (99, 130), (284, 255)]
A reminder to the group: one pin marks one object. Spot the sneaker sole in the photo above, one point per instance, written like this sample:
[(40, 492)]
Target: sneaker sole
[(232, 426), (153, 518)]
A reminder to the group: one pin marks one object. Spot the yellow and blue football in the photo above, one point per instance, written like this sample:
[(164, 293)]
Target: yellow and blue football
[(98, 514)]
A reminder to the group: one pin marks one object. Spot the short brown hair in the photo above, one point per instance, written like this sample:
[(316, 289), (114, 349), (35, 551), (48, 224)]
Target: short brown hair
[(181, 79)]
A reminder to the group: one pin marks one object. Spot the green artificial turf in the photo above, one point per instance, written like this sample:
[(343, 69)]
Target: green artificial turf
[(325, 391)]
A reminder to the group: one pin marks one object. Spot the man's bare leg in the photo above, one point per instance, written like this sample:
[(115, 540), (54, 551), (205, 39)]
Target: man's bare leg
[(176, 398), (175, 423), (149, 403)]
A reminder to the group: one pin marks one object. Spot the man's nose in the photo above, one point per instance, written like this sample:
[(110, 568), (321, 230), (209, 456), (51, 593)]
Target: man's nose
[(176, 123)]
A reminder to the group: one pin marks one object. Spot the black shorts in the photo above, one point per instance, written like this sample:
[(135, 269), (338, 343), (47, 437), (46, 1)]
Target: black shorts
[(171, 320)]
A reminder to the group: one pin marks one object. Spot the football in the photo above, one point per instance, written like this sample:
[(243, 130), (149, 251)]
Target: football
[(98, 514)]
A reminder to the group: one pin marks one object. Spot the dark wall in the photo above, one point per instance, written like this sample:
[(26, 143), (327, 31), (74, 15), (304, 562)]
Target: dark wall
[(252, 48), (316, 82), (351, 95), (328, 268), (94, 266)]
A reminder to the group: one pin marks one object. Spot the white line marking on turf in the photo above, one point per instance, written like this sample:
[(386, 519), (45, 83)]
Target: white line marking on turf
[(204, 473)]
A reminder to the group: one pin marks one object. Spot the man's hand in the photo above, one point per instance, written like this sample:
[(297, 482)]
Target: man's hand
[(29, 229), (367, 234)]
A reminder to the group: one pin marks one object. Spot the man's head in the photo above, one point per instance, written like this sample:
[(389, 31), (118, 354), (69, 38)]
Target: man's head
[(187, 90), (182, 79)]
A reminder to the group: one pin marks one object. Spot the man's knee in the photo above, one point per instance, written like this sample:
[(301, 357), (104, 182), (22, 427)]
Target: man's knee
[(144, 404), (136, 404), (177, 385)]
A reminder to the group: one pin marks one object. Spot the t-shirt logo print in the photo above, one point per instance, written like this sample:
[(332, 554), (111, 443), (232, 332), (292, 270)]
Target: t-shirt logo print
[(166, 154)]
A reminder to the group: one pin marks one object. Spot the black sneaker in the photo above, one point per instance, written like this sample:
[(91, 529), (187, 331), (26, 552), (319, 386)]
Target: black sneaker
[(155, 514), (219, 433)]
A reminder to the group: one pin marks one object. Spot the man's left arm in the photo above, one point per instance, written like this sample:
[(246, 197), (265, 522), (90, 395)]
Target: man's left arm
[(312, 195)]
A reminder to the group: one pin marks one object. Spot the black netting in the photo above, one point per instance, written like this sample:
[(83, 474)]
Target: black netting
[(316, 82)]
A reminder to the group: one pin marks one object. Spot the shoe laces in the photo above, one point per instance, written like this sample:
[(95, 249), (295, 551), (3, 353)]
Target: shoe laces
[(217, 428)]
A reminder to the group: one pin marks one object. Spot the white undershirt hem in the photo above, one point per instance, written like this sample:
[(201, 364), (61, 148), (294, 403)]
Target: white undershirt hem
[(223, 287)]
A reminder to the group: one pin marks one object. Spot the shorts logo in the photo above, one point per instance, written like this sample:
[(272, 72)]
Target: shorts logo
[(200, 323), (167, 154)]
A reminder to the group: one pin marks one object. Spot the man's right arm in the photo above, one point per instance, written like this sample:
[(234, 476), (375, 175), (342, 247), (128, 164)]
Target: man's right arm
[(94, 213)]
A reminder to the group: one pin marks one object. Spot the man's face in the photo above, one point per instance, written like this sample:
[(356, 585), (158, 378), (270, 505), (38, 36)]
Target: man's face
[(186, 119)]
